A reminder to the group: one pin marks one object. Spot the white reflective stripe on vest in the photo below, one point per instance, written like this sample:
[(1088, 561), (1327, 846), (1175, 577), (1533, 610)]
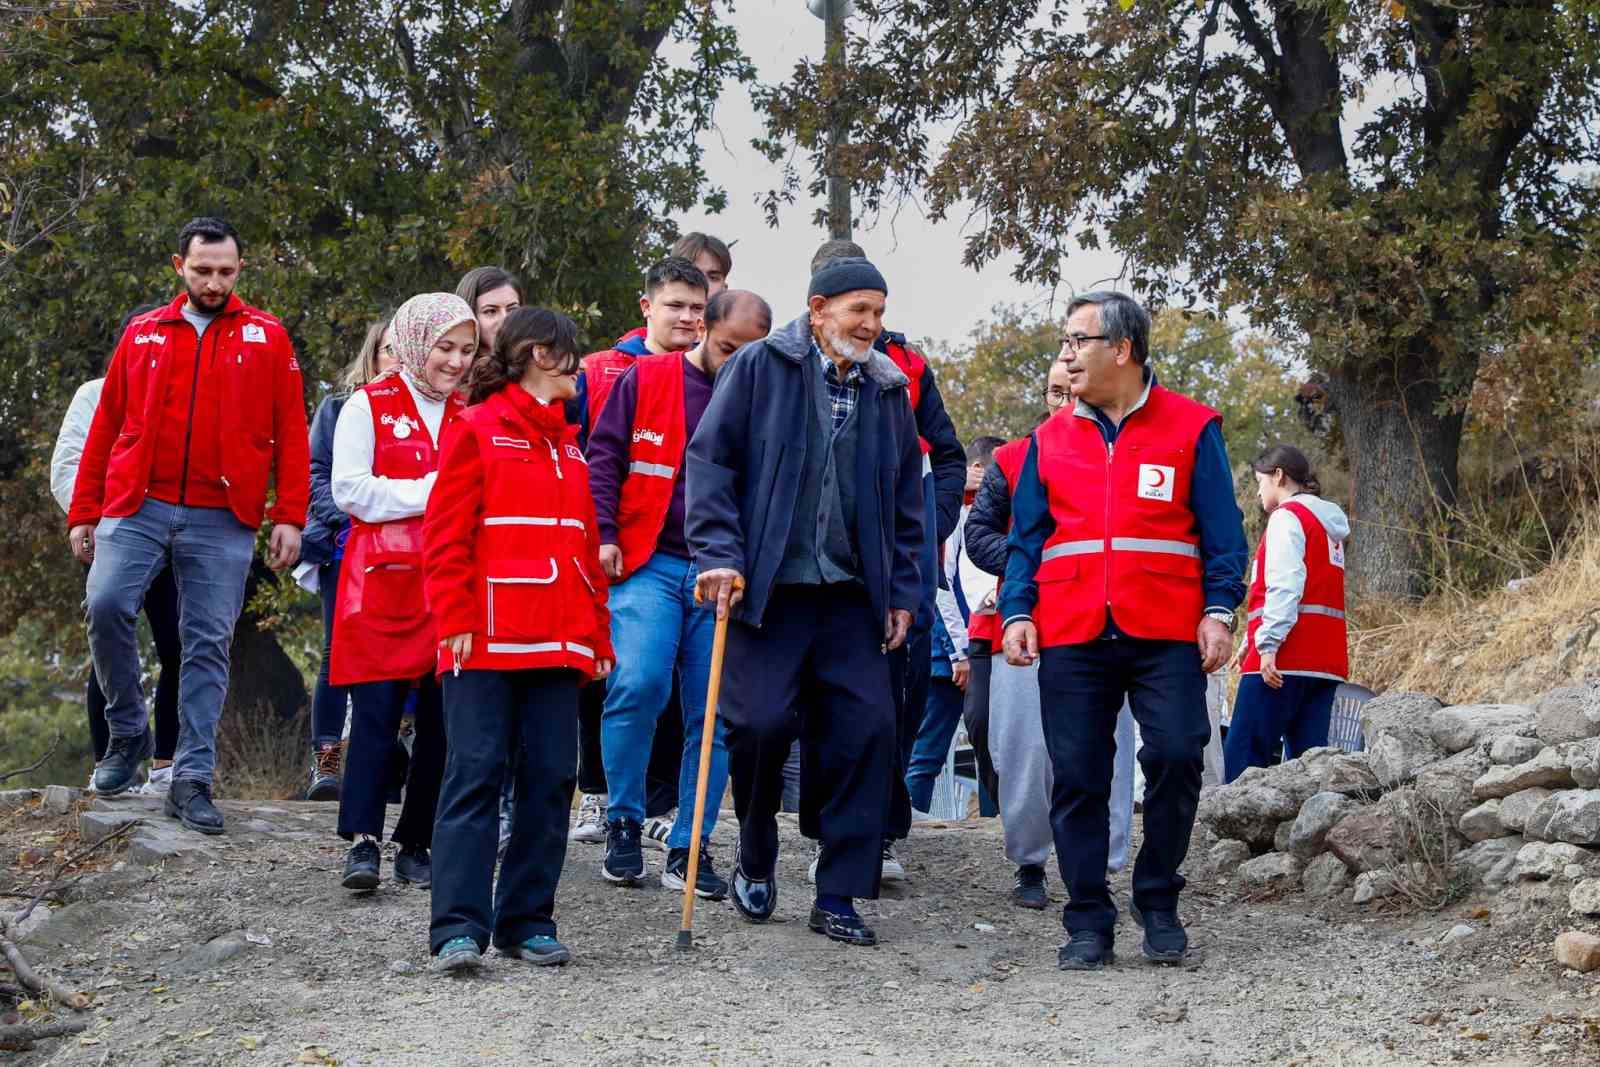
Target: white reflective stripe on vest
[(1071, 548), (1148, 544), (532, 520), (508, 649), (654, 470), (1305, 609)]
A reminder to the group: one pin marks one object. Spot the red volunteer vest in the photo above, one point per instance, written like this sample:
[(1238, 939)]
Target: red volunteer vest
[(1318, 642), (655, 457), (1008, 457), (913, 366), (1125, 537), (381, 627), (602, 369)]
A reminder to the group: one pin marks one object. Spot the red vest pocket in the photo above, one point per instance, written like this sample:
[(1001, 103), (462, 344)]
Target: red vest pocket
[(522, 599)]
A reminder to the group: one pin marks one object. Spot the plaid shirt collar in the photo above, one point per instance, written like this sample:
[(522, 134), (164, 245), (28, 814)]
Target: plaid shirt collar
[(842, 391)]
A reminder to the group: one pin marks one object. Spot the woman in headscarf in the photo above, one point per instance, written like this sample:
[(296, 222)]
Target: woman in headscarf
[(519, 610), (385, 459)]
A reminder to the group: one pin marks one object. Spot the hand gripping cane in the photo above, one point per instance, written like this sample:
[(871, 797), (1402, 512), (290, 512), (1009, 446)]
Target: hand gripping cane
[(719, 645)]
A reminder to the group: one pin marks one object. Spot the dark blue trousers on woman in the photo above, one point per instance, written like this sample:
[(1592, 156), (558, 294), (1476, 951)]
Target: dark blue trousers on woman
[(1081, 689), (1267, 721), (375, 711), (813, 670), (488, 715)]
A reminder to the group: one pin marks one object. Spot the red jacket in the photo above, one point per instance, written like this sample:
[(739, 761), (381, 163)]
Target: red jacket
[(1318, 643), (511, 552), (602, 369), (913, 366), (1009, 458), (1125, 537), (655, 457), (243, 417), (381, 628)]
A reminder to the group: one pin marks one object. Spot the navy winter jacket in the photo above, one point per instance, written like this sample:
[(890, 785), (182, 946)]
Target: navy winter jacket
[(324, 520), (744, 469)]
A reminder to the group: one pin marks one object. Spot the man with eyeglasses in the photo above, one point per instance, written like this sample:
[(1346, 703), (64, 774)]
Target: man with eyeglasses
[(1127, 557), (1015, 731)]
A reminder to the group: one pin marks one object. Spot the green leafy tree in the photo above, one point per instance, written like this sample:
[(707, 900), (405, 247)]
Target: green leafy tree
[(1403, 184), (365, 151)]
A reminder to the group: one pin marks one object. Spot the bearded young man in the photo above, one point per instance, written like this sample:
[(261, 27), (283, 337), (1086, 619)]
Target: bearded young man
[(805, 520)]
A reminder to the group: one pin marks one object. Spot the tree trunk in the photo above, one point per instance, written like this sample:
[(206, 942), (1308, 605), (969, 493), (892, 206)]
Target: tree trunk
[(261, 675), (1403, 446)]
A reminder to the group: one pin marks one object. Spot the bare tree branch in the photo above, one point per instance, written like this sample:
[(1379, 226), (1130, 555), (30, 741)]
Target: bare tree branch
[(36, 764)]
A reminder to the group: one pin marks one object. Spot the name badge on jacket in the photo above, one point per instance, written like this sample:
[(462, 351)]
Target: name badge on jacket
[(1155, 481)]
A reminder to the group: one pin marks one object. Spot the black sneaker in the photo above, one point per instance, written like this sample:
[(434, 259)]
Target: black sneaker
[(361, 866), (1165, 940), (624, 862), (119, 771), (326, 765), (1029, 890), (1086, 951), (190, 803), (412, 864), (707, 883)]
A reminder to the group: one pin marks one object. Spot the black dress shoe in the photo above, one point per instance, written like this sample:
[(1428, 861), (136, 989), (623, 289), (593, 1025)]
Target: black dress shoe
[(190, 803), (849, 929), (361, 866), (1086, 951), (413, 865), (756, 898), (118, 772)]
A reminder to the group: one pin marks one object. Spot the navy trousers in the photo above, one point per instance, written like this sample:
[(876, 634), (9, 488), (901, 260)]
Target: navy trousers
[(489, 715), (375, 712), (910, 669), (1081, 689), (1268, 721), (813, 671)]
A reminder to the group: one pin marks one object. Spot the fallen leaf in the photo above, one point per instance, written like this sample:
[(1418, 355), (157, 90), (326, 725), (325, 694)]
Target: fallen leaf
[(250, 1044), (88, 1040), (207, 1032)]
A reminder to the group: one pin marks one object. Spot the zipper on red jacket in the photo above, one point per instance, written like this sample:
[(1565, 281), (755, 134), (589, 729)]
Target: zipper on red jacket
[(1111, 455), (194, 393), (555, 457)]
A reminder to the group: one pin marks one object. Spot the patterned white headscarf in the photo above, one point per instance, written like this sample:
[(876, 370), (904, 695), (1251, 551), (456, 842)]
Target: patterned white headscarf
[(417, 327)]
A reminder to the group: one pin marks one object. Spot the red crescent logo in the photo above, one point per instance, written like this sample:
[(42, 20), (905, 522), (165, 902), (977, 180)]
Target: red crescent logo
[(1160, 477)]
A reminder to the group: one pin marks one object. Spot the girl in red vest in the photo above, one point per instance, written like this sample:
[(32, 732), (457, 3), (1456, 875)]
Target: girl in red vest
[(519, 609), (1295, 653), (385, 459)]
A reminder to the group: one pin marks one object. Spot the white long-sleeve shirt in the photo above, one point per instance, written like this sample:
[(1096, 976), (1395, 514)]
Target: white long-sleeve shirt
[(945, 599), (1286, 565), (362, 494), (68, 452)]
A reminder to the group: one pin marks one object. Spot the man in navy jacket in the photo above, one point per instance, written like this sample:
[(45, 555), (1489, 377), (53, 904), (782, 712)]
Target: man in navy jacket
[(805, 517)]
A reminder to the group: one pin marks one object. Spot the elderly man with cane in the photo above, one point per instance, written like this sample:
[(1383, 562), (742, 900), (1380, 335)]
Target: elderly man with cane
[(1126, 563), (804, 484)]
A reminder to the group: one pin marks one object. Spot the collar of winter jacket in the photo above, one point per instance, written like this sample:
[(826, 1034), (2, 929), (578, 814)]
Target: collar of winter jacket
[(794, 341)]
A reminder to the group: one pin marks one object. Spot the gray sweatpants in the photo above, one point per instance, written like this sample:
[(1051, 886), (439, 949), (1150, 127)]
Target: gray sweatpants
[(1016, 744)]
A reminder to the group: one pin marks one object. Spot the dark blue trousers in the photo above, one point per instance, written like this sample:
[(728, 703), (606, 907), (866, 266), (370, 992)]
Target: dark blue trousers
[(489, 715), (328, 700), (1268, 721), (814, 671), (910, 671), (375, 711), (1081, 689)]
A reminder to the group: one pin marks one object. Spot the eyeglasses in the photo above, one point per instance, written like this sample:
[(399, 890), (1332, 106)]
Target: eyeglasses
[(1074, 342), (1055, 396)]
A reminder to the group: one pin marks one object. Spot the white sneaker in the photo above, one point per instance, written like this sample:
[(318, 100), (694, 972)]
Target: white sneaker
[(892, 870), (657, 830), (159, 784), (591, 824)]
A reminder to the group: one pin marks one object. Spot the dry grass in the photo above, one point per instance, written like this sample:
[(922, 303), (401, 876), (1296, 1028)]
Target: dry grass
[(1506, 645), (261, 756), (1422, 852)]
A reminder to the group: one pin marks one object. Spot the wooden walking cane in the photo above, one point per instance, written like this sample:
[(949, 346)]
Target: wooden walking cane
[(719, 644)]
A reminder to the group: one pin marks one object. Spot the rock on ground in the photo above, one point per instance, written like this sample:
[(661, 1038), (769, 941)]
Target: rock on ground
[(1515, 809), (1226, 855), (1395, 728), (1466, 725), (1309, 831), (1583, 758), (1273, 868), (1511, 749), (1246, 811), (1325, 876), (1585, 897), (1482, 822), (1448, 784), (1548, 769), (1361, 839), (1569, 713), (1578, 950), (1571, 815), (1374, 885), (1540, 861), (1492, 863)]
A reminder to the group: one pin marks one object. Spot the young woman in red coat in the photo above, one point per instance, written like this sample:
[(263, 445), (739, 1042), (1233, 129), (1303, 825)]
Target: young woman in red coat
[(519, 605)]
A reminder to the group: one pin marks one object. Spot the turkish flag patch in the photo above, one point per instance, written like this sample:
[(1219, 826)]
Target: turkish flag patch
[(1155, 481)]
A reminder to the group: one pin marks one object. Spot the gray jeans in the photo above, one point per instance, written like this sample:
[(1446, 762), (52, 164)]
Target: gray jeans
[(1016, 743), (209, 551)]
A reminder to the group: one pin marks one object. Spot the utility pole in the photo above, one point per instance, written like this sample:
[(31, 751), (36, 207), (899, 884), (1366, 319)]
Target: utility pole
[(833, 14)]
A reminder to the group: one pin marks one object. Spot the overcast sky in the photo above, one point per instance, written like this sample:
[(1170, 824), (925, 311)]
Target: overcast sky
[(931, 295)]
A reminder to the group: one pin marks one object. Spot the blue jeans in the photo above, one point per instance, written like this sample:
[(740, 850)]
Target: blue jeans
[(656, 627), (932, 745), (1267, 721), (209, 552)]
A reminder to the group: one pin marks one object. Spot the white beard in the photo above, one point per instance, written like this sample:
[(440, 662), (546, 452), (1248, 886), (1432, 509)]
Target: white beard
[(846, 350)]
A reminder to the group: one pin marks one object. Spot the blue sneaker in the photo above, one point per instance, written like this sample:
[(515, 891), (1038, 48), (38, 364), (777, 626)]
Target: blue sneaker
[(541, 951), (458, 954)]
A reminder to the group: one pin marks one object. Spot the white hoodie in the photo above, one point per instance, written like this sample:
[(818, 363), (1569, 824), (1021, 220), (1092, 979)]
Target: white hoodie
[(1286, 565)]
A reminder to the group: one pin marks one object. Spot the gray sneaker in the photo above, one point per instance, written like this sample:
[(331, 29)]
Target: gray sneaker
[(591, 824)]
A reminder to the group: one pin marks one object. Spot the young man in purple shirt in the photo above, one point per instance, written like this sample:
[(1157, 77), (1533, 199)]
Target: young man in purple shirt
[(636, 474)]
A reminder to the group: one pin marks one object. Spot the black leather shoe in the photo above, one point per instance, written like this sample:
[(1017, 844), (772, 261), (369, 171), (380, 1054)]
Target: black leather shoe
[(850, 929), (361, 866), (1165, 940), (190, 803), (413, 865), (119, 771), (756, 898), (1086, 951)]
